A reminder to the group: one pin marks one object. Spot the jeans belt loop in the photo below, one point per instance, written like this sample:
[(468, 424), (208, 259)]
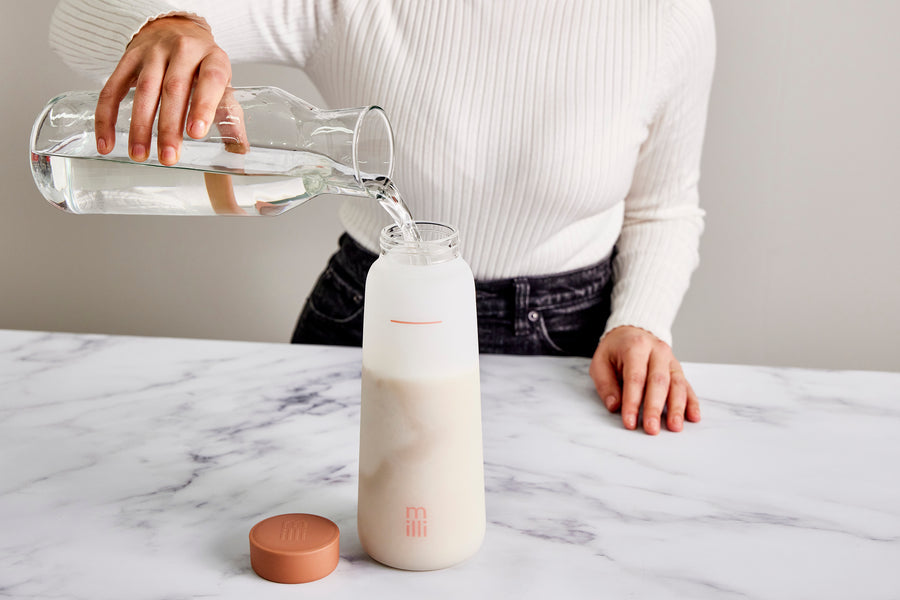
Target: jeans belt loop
[(522, 325)]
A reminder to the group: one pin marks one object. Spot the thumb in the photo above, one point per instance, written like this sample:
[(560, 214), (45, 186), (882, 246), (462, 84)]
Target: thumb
[(606, 380)]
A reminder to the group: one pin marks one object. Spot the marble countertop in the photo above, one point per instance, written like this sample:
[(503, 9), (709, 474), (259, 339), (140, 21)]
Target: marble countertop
[(135, 467)]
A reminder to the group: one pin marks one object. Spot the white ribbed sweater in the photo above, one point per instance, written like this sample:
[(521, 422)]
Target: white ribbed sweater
[(548, 132)]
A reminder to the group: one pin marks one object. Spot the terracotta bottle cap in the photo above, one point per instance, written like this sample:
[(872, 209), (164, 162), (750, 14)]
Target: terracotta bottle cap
[(294, 548)]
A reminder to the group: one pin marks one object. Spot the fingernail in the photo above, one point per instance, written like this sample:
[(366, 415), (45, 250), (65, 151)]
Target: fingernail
[(652, 425), (168, 155), (197, 129), (138, 152), (610, 402), (630, 422), (101, 145)]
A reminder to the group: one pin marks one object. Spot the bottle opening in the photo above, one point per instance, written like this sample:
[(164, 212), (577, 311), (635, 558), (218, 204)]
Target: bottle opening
[(373, 145), (438, 243)]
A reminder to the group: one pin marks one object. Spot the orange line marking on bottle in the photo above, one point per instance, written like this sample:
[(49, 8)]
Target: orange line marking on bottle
[(416, 322)]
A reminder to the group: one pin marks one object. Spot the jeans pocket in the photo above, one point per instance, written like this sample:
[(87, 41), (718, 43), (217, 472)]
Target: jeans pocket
[(333, 313), (574, 330), (334, 298)]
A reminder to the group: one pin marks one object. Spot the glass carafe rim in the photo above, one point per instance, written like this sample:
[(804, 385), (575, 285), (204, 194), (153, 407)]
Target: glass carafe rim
[(367, 112)]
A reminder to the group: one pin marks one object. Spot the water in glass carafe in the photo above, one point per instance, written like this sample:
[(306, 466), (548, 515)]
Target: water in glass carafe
[(265, 153)]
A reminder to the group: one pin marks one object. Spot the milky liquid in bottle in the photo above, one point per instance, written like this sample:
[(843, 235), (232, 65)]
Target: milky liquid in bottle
[(421, 474)]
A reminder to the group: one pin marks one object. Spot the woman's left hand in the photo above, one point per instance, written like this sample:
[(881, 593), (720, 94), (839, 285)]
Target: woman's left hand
[(632, 367)]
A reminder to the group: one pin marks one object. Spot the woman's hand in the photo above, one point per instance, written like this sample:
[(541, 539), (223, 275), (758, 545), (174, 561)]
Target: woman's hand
[(632, 366), (162, 62)]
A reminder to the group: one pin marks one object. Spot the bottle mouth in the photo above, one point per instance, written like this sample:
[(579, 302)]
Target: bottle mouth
[(438, 242), (373, 145)]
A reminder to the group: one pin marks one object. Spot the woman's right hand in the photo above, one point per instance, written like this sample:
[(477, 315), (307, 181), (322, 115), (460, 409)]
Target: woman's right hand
[(162, 63)]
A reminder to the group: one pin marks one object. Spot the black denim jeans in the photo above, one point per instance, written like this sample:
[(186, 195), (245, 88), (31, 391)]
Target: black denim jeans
[(557, 315)]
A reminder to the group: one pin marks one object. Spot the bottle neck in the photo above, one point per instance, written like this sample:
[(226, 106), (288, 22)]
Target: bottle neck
[(439, 244)]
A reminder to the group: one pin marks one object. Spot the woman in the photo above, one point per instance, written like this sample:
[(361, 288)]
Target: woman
[(562, 139)]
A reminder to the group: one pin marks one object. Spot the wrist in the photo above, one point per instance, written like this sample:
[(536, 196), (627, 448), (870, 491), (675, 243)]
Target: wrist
[(173, 20), (631, 329)]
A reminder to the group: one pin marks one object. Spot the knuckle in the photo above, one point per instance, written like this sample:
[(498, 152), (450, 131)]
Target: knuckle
[(642, 342), (169, 128), (218, 55), (141, 127), (630, 406), (107, 95), (639, 347), (677, 404), (635, 378), (659, 379), (168, 134), (146, 86), (139, 134), (217, 74), (203, 110), (636, 355), (183, 44), (102, 120), (175, 86)]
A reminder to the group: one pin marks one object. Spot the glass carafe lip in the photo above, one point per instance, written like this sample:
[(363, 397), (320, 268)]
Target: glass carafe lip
[(440, 242), (367, 112)]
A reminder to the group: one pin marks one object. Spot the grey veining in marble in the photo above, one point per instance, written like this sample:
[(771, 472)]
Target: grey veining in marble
[(135, 467)]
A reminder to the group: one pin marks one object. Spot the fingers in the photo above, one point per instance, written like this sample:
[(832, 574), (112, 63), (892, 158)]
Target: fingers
[(606, 381), (692, 411), (161, 62), (634, 378), (683, 400), (229, 120), (107, 111), (678, 388), (175, 95), (650, 375), (213, 77), (143, 110), (656, 390)]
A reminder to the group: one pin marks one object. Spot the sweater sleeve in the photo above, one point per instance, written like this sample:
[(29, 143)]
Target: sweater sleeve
[(91, 35), (657, 249)]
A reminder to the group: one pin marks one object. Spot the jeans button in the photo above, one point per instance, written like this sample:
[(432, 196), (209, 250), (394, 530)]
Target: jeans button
[(533, 316)]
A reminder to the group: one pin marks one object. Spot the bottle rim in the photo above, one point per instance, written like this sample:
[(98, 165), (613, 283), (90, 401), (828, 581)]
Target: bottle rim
[(439, 241)]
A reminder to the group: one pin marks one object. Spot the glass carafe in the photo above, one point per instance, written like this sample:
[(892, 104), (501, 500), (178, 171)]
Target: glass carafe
[(421, 472), (266, 152)]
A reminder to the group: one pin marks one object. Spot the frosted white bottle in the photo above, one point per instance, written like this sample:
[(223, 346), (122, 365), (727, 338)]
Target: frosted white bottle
[(421, 470)]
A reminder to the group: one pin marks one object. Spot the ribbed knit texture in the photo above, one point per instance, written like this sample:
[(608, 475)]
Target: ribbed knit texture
[(548, 132)]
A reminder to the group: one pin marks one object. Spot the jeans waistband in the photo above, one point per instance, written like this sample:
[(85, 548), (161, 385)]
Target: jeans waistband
[(544, 291), (500, 298)]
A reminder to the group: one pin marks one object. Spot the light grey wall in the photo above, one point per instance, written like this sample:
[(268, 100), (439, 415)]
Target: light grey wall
[(799, 259), (801, 186)]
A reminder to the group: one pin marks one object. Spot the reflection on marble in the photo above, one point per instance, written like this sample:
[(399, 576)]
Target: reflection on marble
[(135, 467)]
